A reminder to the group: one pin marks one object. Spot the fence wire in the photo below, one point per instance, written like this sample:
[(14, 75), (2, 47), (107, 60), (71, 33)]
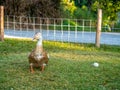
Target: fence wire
[(58, 29)]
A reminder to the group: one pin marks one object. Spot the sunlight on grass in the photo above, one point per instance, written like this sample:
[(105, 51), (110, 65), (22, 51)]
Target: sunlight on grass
[(70, 46), (70, 67)]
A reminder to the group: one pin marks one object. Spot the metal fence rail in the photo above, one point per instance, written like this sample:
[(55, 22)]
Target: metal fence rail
[(57, 29)]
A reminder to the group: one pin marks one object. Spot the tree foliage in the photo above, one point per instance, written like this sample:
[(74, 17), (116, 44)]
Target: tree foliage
[(41, 8), (110, 8), (62, 8), (87, 9)]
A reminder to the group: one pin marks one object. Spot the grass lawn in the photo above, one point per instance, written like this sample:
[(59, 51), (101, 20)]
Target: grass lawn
[(70, 67)]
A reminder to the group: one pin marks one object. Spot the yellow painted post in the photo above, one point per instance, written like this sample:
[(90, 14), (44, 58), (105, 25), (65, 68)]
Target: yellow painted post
[(99, 25), (1, 23)]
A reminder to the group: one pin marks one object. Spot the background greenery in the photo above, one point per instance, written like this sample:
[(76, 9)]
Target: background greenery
[(70, 8), (78, 9)]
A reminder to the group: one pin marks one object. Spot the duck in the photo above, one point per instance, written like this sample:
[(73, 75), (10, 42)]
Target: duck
[(38, 57)]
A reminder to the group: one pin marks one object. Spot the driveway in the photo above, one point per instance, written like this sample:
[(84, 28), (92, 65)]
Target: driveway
[(67, 36)]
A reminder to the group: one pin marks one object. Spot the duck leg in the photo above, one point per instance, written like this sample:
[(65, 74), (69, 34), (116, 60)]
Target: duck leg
[(31, 68), (42, 68)]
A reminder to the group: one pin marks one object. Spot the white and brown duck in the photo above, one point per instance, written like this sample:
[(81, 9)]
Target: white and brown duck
[(38, 57)]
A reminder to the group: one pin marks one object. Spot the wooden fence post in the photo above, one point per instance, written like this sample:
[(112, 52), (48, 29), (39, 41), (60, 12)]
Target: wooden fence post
[(98, 31), (1, 23)]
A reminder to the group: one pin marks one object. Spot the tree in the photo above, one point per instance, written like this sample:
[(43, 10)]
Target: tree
[(110, 8), (38, 8)]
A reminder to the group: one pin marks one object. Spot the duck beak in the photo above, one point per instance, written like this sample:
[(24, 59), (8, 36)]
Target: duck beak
[(33, 39)]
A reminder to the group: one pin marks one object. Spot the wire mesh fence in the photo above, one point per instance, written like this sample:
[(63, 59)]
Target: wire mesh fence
[(58, 29)]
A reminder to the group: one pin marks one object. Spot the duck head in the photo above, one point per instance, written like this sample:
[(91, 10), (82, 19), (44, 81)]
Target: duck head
[(37, 36)]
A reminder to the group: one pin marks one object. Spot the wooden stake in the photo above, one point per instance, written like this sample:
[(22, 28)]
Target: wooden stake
[(98, 31), (1, 23)]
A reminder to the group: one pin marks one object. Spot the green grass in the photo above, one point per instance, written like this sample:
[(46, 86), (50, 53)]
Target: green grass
[(70, 67)]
